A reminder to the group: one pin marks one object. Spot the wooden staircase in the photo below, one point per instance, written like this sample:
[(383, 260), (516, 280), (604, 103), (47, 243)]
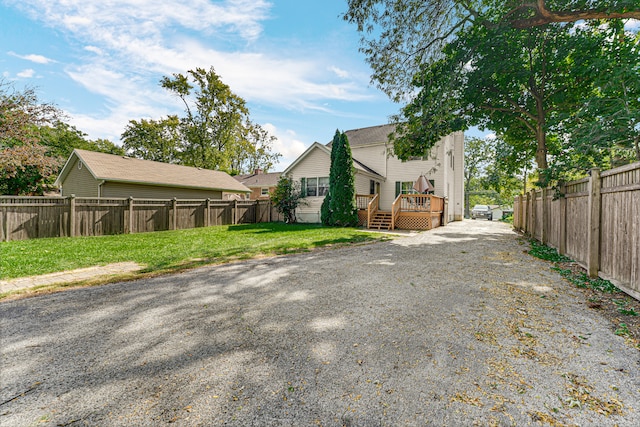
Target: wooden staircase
[(381, 221)]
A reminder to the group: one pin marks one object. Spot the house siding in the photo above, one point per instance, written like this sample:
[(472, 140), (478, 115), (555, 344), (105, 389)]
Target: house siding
[(444, 165), (79, 181), (374, 156), (138, 191), (316, 164)]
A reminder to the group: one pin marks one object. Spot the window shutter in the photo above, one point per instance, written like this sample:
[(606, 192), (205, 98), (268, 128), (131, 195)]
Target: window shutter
[(372, 187), (398, 188), (303, 186)]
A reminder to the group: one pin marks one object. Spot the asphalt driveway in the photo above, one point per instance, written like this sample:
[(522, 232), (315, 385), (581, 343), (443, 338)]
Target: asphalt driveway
[(456, 326)]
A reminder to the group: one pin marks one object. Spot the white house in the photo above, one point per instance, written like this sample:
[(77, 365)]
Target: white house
[(379, 172)]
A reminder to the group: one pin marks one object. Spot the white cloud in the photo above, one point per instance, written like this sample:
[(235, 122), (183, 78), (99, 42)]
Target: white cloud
[(128, 46), (38, 59), (26, 74), (94, 49), (287, 143), (340, 72)]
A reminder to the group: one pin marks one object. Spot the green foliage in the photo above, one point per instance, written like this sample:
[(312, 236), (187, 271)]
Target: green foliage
[(286, 198), (34, 142), (546, 253), (170, 250), (325, 211), (564, 94), (215, 132), (400, 36), (27, 169), (342, 209), (157, 140), (579, 279)]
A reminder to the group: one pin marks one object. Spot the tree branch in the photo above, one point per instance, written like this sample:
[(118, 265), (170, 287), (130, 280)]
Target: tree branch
[(544, 16)]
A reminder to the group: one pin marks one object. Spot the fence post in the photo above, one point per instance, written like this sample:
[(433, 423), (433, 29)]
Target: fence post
[(543, 230), (593, 260), (525, 220), (5, 225), (175, 213), (235, 211), (533, 216), (130, 215), (562, 244), (72, 215), (520, 212), (207, 220)]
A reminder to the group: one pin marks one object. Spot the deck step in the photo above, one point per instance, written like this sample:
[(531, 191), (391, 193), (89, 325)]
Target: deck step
[(381, 220)]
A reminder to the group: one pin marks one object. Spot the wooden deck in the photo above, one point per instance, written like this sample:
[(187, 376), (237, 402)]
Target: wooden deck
[(408, 212)]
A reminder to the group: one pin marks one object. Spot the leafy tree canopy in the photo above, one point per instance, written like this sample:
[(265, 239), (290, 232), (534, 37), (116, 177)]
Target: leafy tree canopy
[(35, 141), (214, 133), (401, 35), (342, 203)]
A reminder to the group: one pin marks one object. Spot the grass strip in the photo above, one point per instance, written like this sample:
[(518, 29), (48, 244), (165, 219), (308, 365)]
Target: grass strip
[(171, 250)]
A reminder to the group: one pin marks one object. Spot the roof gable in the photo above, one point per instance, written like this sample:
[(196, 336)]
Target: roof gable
[(110, 167)]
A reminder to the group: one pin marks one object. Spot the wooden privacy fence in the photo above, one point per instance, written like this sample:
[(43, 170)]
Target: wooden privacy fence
[(35, 217), (595, 221)]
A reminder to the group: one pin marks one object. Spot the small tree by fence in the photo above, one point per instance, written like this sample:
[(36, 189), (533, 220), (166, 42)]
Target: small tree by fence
[(595, 221), (36, 217)]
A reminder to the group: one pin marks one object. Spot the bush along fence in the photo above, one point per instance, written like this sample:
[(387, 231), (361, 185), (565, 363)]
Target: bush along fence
[(24, 218), (595, 221)]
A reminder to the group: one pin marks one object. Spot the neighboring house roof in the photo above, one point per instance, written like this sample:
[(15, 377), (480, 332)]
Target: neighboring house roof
[(261, 179), (317, 146), (109, 167)]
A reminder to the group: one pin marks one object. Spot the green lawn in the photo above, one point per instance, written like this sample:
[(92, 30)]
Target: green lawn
[(170, 250)]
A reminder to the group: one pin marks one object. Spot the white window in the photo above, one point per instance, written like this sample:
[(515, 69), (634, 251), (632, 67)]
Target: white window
[(315, 186), (264, 191)]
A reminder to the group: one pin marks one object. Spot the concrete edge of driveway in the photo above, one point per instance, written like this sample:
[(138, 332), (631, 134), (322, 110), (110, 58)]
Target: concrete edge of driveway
[(70, 276)]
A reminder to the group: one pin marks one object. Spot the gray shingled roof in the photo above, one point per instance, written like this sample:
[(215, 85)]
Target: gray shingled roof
[(264, 179), (371, 135), (110, 167)]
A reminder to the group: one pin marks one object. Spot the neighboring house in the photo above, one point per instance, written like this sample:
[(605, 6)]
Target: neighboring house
[(92, 174), (378, 171), (260, 183)]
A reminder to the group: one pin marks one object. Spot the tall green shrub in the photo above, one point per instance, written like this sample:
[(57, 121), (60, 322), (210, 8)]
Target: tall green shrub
[(325, 211), (342, 204)]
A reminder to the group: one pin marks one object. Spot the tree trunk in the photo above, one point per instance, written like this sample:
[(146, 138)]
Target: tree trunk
[(541, 150)]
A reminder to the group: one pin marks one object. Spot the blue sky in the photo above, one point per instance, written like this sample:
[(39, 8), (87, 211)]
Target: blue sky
[(295, 62)]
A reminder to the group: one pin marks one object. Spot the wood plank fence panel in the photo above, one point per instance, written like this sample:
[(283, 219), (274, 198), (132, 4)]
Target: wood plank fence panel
[(221, 214), (99, 217), (553, 221), (596, 223), (190, 214), (577, 228)]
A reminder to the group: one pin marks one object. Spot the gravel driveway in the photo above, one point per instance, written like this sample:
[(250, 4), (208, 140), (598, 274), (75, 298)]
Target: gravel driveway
[(456, 326)]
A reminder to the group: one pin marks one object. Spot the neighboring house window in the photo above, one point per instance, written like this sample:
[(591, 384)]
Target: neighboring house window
[(315, 186), (264, 191), (372, 187)]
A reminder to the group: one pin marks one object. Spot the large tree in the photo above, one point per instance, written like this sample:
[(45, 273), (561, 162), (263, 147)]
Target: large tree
[(214, 133), (399, 36), (522, 69), (157, 140), (35, 141)]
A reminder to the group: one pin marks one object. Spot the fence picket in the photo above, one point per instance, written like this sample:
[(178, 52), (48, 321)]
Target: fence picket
[(595, 221)]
